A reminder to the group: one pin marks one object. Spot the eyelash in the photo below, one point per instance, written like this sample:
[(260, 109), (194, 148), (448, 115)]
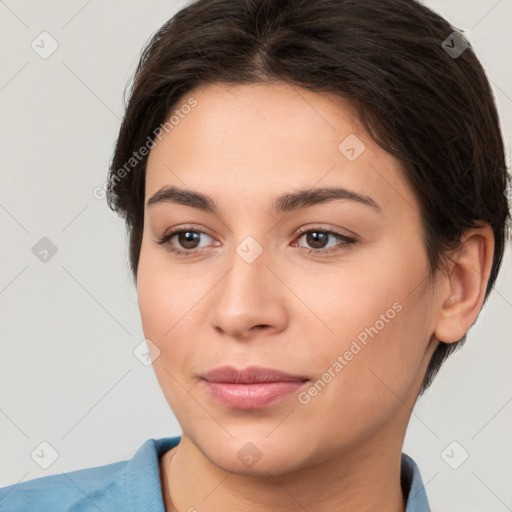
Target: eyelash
[(346, 242)]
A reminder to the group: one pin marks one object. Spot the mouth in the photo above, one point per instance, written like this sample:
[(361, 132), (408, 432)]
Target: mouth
[(251, 388)]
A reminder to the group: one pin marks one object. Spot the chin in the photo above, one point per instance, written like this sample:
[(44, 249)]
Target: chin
[(256, 455)]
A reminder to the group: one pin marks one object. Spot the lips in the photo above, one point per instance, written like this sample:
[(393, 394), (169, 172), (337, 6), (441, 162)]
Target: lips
[(254, 387), (250, 375)]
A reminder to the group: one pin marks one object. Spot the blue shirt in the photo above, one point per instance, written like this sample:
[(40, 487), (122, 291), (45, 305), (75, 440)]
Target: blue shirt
[(134, 486)]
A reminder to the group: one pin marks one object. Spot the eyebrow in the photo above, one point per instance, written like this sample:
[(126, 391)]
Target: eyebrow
[(285, 203)]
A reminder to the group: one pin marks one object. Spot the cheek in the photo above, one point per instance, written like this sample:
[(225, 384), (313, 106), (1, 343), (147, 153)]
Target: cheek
[(164, 295), (161, 307), (172, 303), (375, 325), (155, 310), (164, 319), (361, 385)]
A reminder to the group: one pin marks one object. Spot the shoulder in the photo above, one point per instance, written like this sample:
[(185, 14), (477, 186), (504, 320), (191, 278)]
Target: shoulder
[(101, 487), (118, 487)]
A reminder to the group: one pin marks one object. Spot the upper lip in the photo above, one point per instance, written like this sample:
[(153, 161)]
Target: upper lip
[(249, 375)]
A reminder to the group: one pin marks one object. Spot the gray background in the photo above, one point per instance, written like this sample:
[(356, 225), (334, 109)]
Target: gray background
[(68, 374)]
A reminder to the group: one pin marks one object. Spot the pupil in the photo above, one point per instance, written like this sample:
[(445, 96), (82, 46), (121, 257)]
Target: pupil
[(314, 234), (188, 239)]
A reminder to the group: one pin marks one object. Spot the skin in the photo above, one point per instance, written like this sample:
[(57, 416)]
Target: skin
[(290, 310)]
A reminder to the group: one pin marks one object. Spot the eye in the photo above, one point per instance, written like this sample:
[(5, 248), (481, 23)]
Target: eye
[(187, 238), (318, 238)]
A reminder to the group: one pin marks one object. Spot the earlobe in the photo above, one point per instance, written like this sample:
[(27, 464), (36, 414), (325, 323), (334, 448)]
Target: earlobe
[(466, 285)]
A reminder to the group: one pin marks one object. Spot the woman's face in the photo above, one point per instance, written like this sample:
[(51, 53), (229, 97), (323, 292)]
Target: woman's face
[(352, 322)]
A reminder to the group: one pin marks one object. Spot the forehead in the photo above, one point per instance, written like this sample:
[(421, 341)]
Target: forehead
[(262, 119), (257, 140)]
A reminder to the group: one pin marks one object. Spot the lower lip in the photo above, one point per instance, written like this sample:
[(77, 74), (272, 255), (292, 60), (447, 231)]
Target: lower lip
[(251, 396)]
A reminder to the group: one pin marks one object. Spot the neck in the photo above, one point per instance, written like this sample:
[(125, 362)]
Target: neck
[(363, 478)]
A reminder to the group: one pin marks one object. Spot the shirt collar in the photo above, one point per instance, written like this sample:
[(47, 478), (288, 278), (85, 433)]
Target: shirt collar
[(143, 484), (412, 486)]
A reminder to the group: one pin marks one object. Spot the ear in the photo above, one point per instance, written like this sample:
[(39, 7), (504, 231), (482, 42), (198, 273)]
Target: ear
[(463, 290)]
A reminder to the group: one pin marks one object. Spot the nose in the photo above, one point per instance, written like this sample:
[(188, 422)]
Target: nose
[(249, 299)]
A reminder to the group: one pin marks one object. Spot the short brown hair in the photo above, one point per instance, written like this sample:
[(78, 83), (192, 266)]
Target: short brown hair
[(432, 110)]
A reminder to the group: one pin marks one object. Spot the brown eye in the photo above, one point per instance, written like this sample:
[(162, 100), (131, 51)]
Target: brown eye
[(187, 239), (318, 239)]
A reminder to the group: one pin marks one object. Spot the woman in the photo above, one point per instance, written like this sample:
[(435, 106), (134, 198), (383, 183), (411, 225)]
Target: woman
[(314, 194)]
